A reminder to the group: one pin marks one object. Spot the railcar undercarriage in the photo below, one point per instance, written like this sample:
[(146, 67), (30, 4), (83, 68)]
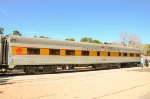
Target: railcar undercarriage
[(40, 69)]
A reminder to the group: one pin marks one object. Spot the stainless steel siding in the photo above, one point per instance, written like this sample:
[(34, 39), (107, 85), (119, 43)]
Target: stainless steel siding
[(48, 60)]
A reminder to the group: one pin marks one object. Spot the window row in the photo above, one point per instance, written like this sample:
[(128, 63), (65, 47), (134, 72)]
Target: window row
[(36, 51)]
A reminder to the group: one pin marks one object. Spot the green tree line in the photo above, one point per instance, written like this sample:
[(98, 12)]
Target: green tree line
[(147, 49), (15, 32), (85, 39)]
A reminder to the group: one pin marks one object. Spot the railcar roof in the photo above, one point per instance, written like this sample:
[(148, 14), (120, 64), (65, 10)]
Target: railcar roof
[(45, 41)]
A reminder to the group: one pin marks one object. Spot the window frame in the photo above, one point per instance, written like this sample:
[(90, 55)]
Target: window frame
[(98, 53), (83, 53), (53, 51), (109, 53), (37, 51), (68, 52), (131, 54), (119, 53), (137, 55), (125, 54)]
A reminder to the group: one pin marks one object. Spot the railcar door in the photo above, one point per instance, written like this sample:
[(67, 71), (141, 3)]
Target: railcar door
[(4, 54), (0, 51)]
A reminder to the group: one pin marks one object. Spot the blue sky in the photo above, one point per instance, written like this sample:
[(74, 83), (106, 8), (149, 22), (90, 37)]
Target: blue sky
[(59, 19)]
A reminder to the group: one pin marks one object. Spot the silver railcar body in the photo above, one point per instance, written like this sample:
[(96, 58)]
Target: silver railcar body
[(14, 44), (56, 44)]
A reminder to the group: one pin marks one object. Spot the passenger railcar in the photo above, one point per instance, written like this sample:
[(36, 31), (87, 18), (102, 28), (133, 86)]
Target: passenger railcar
[(35, 55)]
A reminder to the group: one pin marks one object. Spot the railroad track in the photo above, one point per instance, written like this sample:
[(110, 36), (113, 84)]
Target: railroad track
[(21, 72)]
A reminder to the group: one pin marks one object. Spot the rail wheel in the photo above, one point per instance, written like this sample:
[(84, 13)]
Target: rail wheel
[(29, 70)]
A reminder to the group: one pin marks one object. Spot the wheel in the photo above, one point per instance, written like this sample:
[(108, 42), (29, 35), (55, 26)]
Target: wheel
[(29, 70), (53, 70), (26, 70)]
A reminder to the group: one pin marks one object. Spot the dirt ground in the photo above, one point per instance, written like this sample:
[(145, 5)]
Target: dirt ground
[(125, 83)]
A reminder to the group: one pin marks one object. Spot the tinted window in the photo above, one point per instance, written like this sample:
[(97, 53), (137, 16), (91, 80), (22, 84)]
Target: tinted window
[(98, 53), (137, 55), (131, 54), (124, 54), (85, 53), (119, 54), (70, 52), (33, 51), (54, 52), (108, 53)]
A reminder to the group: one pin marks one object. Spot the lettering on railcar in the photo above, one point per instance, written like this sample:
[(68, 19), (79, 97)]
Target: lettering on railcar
[(100, 48)]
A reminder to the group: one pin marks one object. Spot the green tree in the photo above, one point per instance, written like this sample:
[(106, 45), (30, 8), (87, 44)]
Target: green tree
[(16, 32), (43, 37), (1, 30), (86, 39), (96, 41), (107, 43), (147, 49), (70, 39), (90, 40)]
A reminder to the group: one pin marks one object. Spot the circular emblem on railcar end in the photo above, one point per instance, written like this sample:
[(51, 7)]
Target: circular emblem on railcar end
[(19, 51), (13, 40)]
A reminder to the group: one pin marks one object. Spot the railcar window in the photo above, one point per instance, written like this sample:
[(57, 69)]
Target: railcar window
[(108, 53), (131, 54), (54, 52), (119, 54), (98, 53), (33, 51), (85, 53), (124, 54), (137, 55), (70, 52)]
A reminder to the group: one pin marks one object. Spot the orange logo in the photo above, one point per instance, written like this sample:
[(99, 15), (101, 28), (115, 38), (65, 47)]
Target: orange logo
[(19, 51)]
